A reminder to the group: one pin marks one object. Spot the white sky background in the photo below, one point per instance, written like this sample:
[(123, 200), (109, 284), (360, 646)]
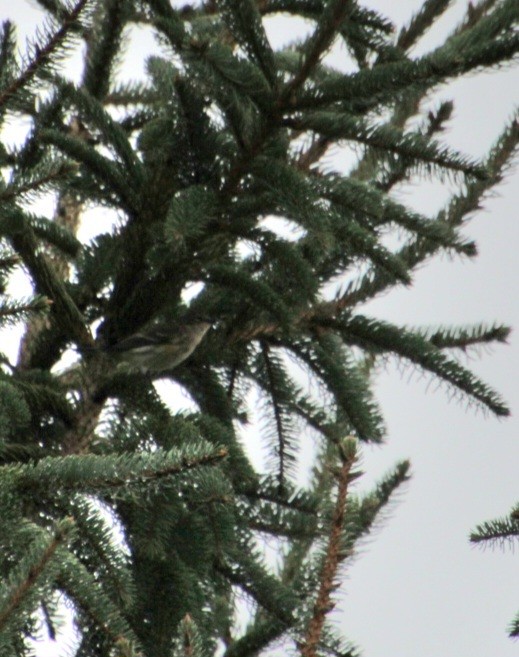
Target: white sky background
[(419, 588)]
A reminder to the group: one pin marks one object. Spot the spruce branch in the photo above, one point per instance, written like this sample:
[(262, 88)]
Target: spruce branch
[(399, 170), (410, 145), (322, 486), (244, 21), (454, 214), (48, 283), (282, 453), (83, 588), (90, 472), (189, 643), (333, 364), (373, 210), (496, 532), (14, 311), (30, 571), (215, 204), (246, 572), (65, 224), (277, 388), (106, 170), (122, 94), (44, 396), (43, 53), (334, 553), (256, 638), (333, 15), (500, 532), (95, 538), (21, 186), (378, 336), (387, 81), (14, 220), (430, 11), (113, 135), (168, 22), (464, 338), (409, 104), (69, 207), (7, 48), (313, 153), (104, 42), (301, 321), (50, 625), (474, 13), (8, 261)]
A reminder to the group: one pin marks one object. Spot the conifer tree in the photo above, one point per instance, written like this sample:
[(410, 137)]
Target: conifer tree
[(149, 521)]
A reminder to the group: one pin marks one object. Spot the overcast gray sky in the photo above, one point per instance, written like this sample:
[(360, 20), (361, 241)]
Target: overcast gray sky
[(419, 588)]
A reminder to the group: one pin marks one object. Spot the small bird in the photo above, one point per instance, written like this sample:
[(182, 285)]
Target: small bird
[(159, 347)]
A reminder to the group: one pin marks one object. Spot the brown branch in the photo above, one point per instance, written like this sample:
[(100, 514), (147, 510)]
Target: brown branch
[(334, 554), (314, 152), (187, 636), (78, 439), (87, 380)]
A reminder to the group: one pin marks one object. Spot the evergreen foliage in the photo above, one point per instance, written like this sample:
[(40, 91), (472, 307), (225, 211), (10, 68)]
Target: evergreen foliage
[(150, 521), (501, 532)]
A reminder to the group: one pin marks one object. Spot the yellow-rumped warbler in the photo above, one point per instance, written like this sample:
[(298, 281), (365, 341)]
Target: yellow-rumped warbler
[(158, 347)]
